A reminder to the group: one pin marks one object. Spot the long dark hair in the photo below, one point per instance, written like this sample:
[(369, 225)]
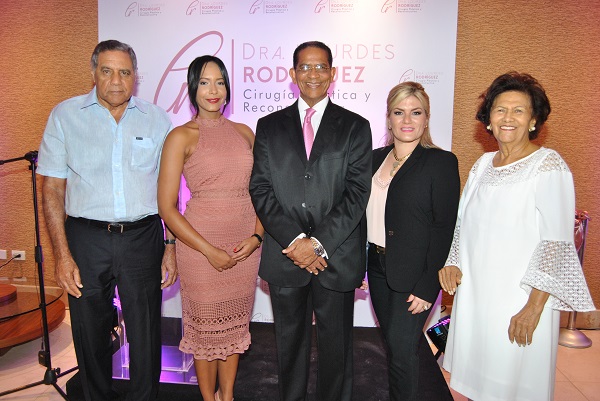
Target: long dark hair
[(195, 72)]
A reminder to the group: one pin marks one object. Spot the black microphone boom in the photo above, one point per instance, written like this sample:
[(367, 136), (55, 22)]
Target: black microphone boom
[(31, 155)]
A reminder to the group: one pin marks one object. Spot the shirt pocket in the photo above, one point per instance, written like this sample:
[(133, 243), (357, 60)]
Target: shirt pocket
[(143, 153)]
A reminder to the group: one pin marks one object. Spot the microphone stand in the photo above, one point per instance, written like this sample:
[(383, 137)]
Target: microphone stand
[(52, 374)]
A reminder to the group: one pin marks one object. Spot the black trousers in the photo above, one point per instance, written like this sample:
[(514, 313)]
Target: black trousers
[(401, 329), (334, 312), (132, 261)]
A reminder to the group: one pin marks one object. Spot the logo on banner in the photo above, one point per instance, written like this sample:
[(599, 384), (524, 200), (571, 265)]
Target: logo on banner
[(136, 9), (334, 6), (171, 92), (206, 7), (270, 6), (402, 6), (422, 77), (132, 9), (140, 77)]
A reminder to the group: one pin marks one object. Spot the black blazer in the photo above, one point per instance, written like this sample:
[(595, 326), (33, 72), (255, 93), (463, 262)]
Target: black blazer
[(324, 197), (420, 215)]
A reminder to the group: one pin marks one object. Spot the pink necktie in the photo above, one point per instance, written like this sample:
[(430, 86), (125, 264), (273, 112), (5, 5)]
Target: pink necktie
[(308, 132)]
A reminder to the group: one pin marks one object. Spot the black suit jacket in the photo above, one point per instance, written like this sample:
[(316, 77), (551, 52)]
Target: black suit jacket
[(324, 197), (420, 215)]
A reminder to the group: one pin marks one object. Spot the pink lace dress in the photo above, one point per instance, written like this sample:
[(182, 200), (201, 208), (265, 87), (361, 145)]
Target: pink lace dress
[(217, 306)]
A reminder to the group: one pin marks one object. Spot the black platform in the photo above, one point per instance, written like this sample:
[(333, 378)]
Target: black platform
[(257, 375)]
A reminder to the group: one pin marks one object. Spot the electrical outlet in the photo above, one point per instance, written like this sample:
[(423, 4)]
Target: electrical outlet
[(21, 253), (2, 253)]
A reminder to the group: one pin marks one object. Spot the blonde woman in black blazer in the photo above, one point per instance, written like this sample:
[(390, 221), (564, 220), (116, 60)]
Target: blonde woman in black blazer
[(410, 222)]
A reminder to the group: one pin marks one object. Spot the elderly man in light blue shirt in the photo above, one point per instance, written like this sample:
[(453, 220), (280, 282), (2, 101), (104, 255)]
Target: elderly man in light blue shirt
[(99, 157)]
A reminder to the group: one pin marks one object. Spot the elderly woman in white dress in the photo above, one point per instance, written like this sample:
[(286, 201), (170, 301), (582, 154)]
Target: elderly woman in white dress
[(513, 264)]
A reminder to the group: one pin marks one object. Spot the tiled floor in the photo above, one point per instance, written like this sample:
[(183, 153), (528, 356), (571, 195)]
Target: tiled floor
[(577, 372), (19, 366)]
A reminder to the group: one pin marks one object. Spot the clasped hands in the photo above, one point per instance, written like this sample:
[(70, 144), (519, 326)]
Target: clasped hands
[(221, 260), (302, 253)]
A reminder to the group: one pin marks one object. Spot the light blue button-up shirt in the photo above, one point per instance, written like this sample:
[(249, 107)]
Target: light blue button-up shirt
[(111, 168)]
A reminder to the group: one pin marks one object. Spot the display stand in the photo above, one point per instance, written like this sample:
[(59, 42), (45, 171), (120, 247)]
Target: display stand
[(175, 365), (569, 336)]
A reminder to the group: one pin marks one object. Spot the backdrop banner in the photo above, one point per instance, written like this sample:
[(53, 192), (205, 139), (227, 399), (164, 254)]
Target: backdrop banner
[(376, 44)]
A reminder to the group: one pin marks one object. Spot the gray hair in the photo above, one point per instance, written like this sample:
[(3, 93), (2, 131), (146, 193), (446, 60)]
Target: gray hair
[(112, 45)]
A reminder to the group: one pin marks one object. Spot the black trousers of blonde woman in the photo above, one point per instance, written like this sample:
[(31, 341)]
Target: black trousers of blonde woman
[(401, 329)]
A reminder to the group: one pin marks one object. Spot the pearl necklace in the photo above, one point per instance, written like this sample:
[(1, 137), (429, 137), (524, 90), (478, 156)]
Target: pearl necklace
[(398, 161)]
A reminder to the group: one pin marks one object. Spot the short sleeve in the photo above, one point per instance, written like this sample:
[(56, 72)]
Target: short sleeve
[(52, 157)]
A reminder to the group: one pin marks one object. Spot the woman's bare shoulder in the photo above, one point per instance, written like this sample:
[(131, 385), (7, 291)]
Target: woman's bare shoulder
[(185, 132)]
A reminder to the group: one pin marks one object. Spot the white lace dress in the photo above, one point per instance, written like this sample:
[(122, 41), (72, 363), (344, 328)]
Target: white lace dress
[(514, 232)]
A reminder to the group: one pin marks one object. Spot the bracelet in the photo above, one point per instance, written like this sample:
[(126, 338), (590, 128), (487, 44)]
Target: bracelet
[(170, 241), (259, 238)]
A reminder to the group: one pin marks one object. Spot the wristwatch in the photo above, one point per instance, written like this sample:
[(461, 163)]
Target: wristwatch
[(317, 247)]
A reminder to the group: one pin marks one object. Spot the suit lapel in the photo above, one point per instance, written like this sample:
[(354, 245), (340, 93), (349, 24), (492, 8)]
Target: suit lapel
[(293, 127), (408, 164), (379, 157), (327, 130)]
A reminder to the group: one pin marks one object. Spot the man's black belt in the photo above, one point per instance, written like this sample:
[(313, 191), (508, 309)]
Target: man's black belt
[(118, 227)]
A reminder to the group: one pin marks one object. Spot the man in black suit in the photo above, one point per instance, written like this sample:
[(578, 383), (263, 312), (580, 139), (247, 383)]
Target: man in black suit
[(310, 201)]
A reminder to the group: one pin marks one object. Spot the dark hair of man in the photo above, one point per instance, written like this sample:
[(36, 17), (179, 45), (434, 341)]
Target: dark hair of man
[(195, 72), (113, 45), (519, 82), (317, 44)]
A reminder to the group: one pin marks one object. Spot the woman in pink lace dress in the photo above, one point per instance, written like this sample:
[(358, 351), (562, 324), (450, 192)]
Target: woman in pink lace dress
[(218, 233)]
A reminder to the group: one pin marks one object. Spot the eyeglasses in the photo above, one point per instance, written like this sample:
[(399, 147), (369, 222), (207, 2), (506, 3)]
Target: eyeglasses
[(319, 68)]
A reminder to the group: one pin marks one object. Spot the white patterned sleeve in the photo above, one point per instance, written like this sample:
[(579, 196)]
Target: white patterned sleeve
[(554, 266), (453, 255)]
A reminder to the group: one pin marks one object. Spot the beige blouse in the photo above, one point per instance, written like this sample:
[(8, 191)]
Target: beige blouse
[(376, 208)]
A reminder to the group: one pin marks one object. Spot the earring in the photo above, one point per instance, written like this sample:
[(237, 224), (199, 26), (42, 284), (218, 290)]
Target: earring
[(389, 128), (531, 129), (489, 127)]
